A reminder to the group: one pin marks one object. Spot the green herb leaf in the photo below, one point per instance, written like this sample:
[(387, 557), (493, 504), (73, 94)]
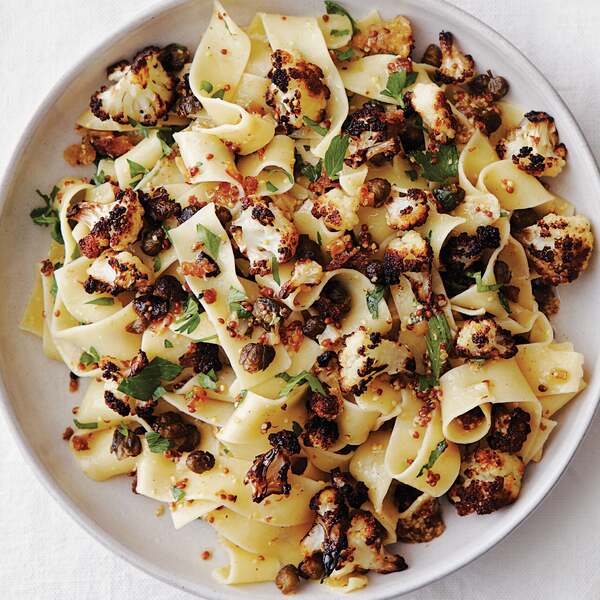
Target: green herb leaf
[(54, 286), (208, 381), (168, 344), (300, 378), (296, 428), (98, 178), (47, 215), (143, 385), (158, 393), (334, 157), (207, 86), (123, 429), (319, 238), (90, 357), (206, 339), (339, 32), (190, 319), (311, 172), (315, 126), (80, 425), (483, 287), (289, 176), (374, 297), (178, 494), (504, 301), (136, 170), (271, 188), (412, 175), (396, 83), (234, 298), (438, 341), (242, 396), (210, 240), (346, 54), (504, 213), (157, 264), (220, 94), (334, 8), (433, 456), (166, 149), (426, 382), (156, 442), (275, 270), (102, 301), (438, 166)]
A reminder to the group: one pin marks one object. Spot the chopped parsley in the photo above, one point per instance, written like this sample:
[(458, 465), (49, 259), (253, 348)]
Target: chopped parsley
[(438, 341), (210, 240), (136, 170), (190, 319), (156, 442), (275, 270), (89, 357), (123, 429), (208, 338), (157, 264), (178, 494), (220, 94), (339, 32), (504, 301), (98, 178), (311, 172), (303, 377), (234, 298), (433, 456), (315, 126), (80, 425), (483, 287), (374, 297), (102, 301), (438, 166), (334, 8), (396, 83), (319, 238), (206, 86), (143, 385), (207, 380), (334, 157), (346, 54), (168, 344), (53, 286), (48, 215), (158, 393), (271, 188)]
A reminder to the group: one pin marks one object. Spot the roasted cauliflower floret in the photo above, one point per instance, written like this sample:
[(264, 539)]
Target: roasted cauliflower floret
[(366, 551), (336, 209), (327, 537), (326, 406), (306, 274), (488, 480), (462, 251), (510, 428), (355, 492), (407, 210), (387, 37), (117, 272), (559, 248), (482, 337), (118, 229), (366, 355), (430, 102), (269, 471), (456, 67), (320, 433), (143, 91), (374, 131), (269, 313), (421, 521), (534, 146), (297, 90), (263, 233)]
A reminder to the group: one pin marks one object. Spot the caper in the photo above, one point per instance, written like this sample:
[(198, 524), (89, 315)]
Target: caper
[(152, 241), (479, 84), (150, 307), (312, 567), (256, 357), (174, 56), (169, 288), (501, 272), (313, 326), (287, 579), (498, 87), (432, 55), (309, 249), (200, 461), (491, 121), (125, 446), (380, 188)]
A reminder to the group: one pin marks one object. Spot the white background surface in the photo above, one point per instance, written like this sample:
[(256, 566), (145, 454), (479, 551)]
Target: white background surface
[(44, 555)]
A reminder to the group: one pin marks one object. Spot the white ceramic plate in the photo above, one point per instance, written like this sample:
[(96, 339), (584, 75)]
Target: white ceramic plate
[(34, 389)]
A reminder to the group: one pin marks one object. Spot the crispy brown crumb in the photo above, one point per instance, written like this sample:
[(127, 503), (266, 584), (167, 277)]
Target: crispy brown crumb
[(67, 433)]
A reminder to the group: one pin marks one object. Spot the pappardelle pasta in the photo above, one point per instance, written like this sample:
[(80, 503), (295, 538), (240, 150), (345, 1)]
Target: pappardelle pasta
[(309, 285)]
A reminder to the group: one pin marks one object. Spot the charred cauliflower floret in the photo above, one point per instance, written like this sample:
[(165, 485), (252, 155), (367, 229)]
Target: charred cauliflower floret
[(263, 232), (482, 337), (421, 521), (337, 210), (143, 91), (407, 210), (366, 355), (374, 131), (306, 274), (118, 229), (326, 406), (410, 255), (366, 551), (297, 90), (327, 537), (559, 248), (430, 102), (269, 313), (269, 471), (455, 67), (355, 492), (320, 433), (510, 428), (462, 251), (534, 146), (387, 37), (488, 480), (117, 272)]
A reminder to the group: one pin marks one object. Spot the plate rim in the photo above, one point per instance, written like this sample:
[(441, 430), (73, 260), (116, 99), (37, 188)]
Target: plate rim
[(520, 511)]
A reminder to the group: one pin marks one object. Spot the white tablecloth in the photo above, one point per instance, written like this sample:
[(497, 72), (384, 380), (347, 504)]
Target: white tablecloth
[(45, 555)]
